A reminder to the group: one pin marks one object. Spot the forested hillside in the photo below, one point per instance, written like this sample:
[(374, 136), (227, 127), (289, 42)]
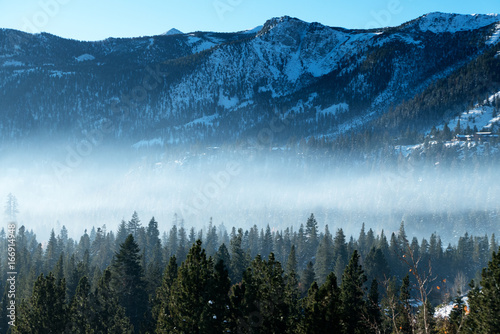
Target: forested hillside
[(252, 281)]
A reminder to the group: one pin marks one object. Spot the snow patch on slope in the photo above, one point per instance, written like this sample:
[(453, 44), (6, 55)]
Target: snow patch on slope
[(495, 36), (84, 57), (228, 102), (482, 116), (199, 44), (12, 63), (445, 311), (148, 143), (205, 120), (441, 22), (333, 109)]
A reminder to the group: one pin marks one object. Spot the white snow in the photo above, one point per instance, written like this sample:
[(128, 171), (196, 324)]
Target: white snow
[(199, 44), (148, 143), (151, 43), (84, 57), (495, 36), (13, 63), (441, 22), (480, 116), (206, 120), (59, 74), (228, 102), (407, 149), (333, 109), (444, 311), (253, 31)]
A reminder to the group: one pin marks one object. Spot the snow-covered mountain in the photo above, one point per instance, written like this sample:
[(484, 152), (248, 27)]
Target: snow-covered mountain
[(312, 79), (173, 31)]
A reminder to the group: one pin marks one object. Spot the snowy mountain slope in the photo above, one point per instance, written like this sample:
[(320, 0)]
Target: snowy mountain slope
[(171, 86), (441, 22)]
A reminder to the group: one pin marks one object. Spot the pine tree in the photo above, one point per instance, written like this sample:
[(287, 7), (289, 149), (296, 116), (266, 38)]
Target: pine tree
[(121, 235), (107, 315), (79, 312), (351, 295), (362, 249), (339, 253), (161, 311), (307, 278), (223, 255), (376, 266), (153, 257), (329, 296), (193, 306), (172, 244), (373, 311), (11, 208), (52, 253), (324, 256), (239, 260), (484, 316), (128, 281), (259, 303), (216, 314), (266, 243), (183, 247), (313, 317), (404, 319), (46, 311), (457, 314), (311, 237), (133, 224), (211, 240), (291, 264), (4, 312)]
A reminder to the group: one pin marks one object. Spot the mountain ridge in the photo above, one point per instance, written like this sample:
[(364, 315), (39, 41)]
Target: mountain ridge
[(239, 81)]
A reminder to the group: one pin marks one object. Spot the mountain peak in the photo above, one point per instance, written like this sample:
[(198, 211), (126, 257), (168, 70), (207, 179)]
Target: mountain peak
[(173, 31)]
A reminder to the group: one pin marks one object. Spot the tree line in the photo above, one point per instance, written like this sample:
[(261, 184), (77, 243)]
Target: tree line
[(253, 281)]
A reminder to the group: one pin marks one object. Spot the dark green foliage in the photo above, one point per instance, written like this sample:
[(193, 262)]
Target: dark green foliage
[(484, 303), (291, 264), (239, 260), (259, 303), (311, 237), (128, 281), (223, 255), (324, 257), (80, 310), (307, 278), (404, 320), (45, 311), (373, 311), (107, 314), (161, 315), (197, 304), (264, 299), (352, 294), (457, 315), (266, 243), (376, 266), (322, 308), (216, 313), (340, 254)]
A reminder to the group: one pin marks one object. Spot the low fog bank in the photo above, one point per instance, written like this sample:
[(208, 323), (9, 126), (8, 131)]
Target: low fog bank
[(242, 189)]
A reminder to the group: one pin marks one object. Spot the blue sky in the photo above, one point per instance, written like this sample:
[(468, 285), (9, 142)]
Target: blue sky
[(99, 19)]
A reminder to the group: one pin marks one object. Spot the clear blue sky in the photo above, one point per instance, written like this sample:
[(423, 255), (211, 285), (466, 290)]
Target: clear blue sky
[(99, 19)]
